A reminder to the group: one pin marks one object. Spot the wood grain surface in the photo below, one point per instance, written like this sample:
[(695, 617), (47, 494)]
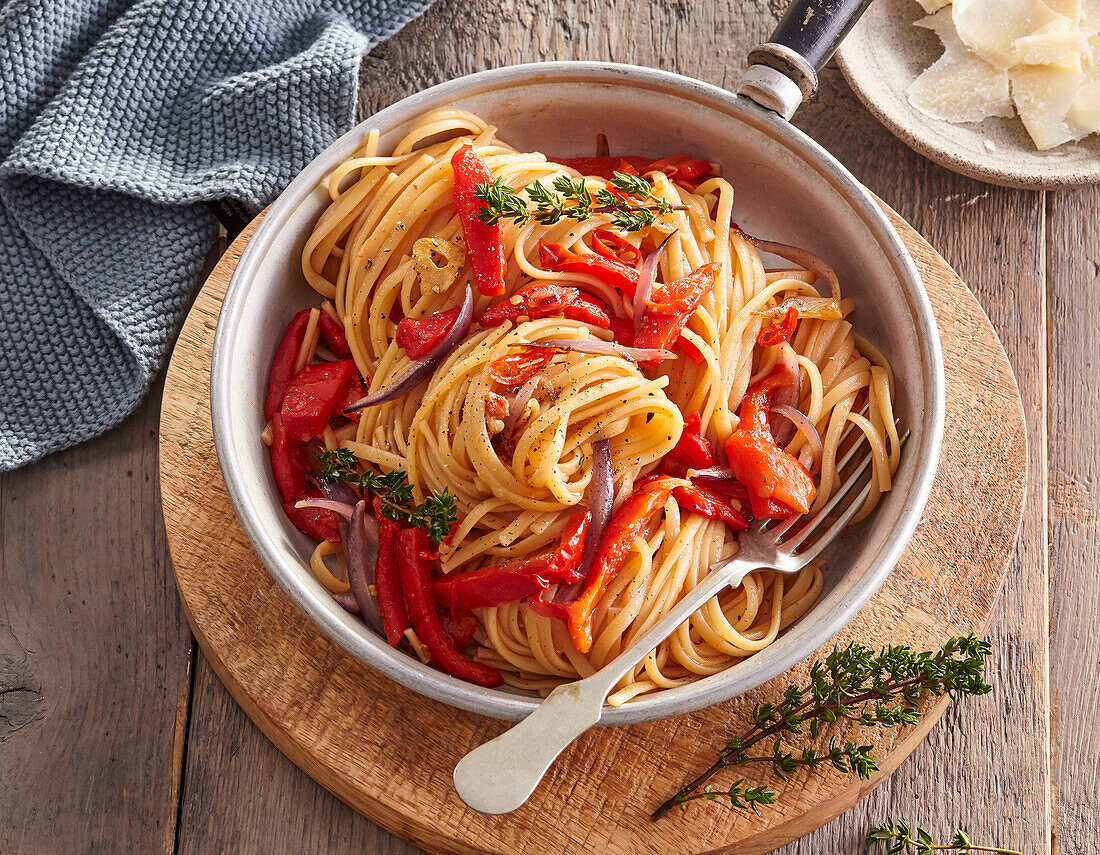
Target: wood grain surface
[(388, 752), (94, 695)]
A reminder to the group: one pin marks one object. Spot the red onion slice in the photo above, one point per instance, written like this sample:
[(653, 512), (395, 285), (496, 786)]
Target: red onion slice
[(646, 278), (802, 257), (803, 423), (361, 556), (333, 488), (714, 473), (340, 508), (347, 603), (600, 347), (422, 368), (519, 402), (600, 498), (788, 395)]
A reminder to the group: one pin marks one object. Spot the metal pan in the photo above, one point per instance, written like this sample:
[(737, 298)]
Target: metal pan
[(788, 189)]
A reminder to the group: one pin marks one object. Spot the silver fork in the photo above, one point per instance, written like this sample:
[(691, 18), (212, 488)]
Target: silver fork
[(500, 775)]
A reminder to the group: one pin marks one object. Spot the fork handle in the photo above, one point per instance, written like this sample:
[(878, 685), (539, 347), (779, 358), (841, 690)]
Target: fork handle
[(500, 775)]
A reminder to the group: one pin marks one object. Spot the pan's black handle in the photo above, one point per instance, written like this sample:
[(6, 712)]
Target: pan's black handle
[(803, 41)]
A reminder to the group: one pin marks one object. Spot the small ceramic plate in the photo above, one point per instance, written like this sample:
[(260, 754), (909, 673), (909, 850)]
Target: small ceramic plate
[(884, 53)]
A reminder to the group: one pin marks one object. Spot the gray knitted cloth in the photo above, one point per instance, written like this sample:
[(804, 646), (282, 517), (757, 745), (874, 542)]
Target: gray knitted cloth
[(119, 120)]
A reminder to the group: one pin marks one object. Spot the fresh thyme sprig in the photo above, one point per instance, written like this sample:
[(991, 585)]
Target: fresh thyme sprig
[(434, 516), (854, 683), (919, 842), (570, 198), (738, 796)]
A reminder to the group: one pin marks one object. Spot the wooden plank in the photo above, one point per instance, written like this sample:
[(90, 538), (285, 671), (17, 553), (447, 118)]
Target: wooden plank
[(94, 651), (985, 766), (245, 797), (1074, 223)]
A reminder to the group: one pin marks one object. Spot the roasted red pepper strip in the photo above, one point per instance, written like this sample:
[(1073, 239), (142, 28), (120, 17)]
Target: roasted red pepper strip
[(554, 256), (352, 393), (313, 397), (290, 475), (699, 500), (282, 366), (318, 524), (589, 310), (459, 628), (623, 331), (544, 300), (612, 245), (417, 336), (628, 522), (516, 368), (387, 583), (516, 580), (333, 335), (605, 167), (769, 472), (286, 463), (692, 450), (415, 567), (484, 243), (671, 305), (780, 331)]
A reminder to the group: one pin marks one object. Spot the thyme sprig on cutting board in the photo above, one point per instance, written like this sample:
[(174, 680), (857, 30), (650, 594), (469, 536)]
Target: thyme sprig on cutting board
[(917, 841), (876, 689)]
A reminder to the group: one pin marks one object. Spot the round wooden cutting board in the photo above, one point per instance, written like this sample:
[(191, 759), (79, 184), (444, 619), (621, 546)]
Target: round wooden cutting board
[(389, 753)]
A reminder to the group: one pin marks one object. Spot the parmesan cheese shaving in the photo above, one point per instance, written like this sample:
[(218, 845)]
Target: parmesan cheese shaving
[(959, 87), (1037, 58), (991, 28)]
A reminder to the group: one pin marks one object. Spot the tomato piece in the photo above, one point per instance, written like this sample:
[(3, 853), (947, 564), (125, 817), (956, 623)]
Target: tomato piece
[(610, 271), (780, 331), (419, 336), (484, 243), (671, 305), (515, 369), (313, 396), (612, 245)]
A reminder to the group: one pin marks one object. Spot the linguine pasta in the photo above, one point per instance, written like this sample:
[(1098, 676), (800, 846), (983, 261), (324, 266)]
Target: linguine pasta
[(390, 245)]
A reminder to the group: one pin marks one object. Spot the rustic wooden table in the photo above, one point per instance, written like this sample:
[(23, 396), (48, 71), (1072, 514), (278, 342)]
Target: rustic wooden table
[(115, 736)]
